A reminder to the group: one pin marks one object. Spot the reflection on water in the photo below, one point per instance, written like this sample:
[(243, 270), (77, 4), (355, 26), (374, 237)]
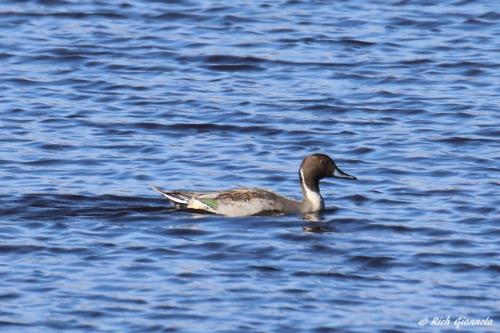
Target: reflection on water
[(313, 217), (318, 227)]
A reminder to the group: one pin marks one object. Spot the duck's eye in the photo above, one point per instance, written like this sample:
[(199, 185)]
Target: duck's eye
[(323, 162)]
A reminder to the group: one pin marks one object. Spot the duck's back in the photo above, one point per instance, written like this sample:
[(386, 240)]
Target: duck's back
[(247, 201)]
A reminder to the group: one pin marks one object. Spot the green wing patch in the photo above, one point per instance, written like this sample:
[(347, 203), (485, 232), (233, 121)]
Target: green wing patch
[(212, 203)]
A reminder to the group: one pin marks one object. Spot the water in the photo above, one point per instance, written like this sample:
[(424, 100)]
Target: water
[(101, 99)]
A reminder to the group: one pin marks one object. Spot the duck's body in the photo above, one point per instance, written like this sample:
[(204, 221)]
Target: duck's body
[(255, 201), (236, 202)]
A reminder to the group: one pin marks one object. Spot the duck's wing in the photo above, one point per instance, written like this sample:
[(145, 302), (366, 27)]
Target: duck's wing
[(253, 201)]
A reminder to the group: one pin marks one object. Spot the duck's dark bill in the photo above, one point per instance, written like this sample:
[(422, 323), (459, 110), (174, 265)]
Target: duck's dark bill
[(341, 174)]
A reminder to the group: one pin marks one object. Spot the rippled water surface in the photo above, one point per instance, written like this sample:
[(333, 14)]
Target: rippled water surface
[(101, 99)]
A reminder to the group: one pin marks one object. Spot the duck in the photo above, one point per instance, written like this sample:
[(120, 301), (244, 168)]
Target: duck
[(256, 201)]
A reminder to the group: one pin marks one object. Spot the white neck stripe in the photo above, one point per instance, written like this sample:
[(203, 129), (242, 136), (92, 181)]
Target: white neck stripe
[(312, 196)]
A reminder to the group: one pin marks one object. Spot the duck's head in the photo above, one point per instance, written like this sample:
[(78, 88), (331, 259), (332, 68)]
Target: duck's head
[(317, 166)]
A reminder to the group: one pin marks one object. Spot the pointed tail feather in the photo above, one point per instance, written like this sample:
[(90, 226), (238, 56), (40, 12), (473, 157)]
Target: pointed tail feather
[(177, 198)]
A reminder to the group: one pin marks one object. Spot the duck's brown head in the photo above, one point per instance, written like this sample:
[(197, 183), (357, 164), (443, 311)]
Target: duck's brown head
[(317, 166)]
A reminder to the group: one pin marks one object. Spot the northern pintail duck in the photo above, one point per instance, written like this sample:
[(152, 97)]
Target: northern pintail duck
[(255, 201)]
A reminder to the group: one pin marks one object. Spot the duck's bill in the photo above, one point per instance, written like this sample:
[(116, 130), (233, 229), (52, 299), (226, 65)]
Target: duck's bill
[(337, 173)]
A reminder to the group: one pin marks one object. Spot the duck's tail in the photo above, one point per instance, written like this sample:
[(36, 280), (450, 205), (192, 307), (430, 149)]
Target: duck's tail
[(177, 198)]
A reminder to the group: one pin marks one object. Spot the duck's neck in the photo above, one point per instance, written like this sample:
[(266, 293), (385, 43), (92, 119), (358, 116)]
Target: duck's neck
[(313, 201)]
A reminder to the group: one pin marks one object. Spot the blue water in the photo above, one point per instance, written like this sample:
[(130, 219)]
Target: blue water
[(101, 99)]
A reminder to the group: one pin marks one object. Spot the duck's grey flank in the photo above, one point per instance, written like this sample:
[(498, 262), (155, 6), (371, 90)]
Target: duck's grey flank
[(256, 201)]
